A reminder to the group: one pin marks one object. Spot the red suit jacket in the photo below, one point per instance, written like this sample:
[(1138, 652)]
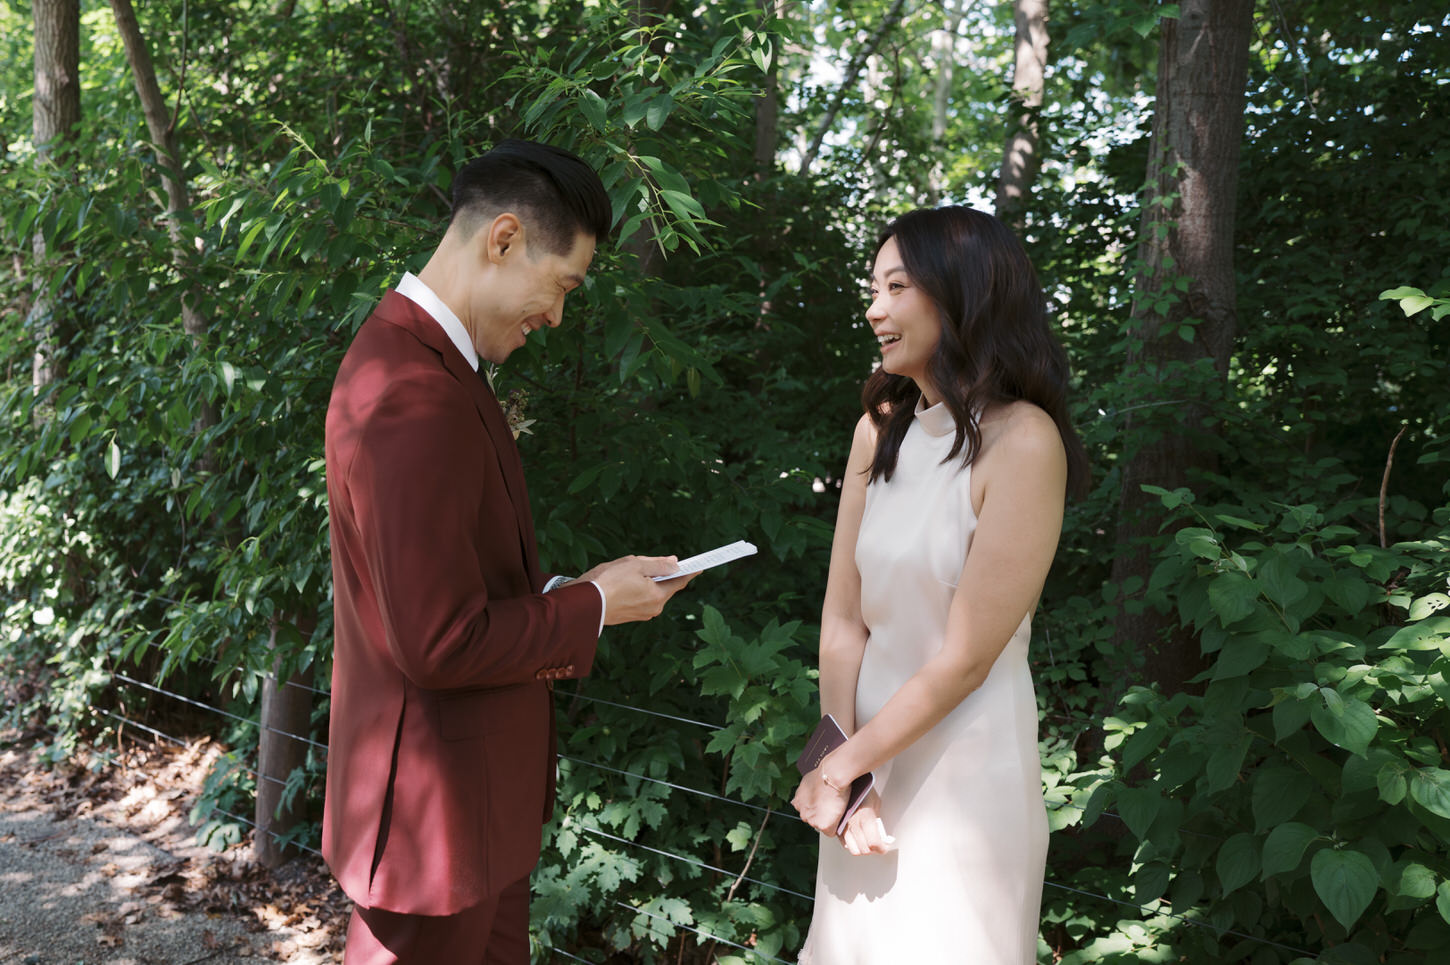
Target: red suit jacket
[(441, 751)]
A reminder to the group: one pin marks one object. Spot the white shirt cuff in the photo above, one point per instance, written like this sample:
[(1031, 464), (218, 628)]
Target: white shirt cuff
[(603, 605), (557, 581)]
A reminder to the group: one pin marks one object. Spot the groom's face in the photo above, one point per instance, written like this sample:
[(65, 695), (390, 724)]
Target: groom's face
[(527, 291)]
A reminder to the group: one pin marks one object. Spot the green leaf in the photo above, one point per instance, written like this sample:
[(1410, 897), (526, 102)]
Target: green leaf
[(1138, 806), (1411, 300), (658, 110), (1348, 590), (1197, 540), (1290, 715), (1142, 743), (249, 237), (1239, 656), (595, 111), (1346, 722), (79, 426), (1278, 577), (1442, 900), (1345, 881), (113, 458), (1416, 881), (1284, 847), (684, 206), (1233, 597), (1224, 764), (1277, 794), (1429, 634), (1430, 787), (1390, 780), (1427, 605), (762, 56), (1238, 521), (1151, 882), (1238, 861)]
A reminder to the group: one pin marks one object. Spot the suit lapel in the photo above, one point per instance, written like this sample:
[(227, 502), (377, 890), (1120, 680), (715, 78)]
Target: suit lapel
[(403, 311), (509, 462)]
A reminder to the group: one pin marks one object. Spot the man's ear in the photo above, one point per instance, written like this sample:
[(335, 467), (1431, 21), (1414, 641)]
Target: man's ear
[(503, 234)]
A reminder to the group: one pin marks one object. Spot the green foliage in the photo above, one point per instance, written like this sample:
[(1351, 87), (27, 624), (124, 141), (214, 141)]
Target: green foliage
[(1302, 796), (162, 506)]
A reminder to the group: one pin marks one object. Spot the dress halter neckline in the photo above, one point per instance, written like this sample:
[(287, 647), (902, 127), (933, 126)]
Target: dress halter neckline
[(935, 420)]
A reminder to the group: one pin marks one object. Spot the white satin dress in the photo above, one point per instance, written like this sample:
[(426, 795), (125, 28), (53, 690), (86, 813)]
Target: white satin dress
[(963, 885)]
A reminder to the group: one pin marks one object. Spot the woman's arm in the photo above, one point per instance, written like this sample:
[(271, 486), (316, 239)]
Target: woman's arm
[(843, 634), (1023, 473)]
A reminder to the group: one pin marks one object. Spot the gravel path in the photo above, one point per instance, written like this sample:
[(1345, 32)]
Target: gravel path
[(103, 868)]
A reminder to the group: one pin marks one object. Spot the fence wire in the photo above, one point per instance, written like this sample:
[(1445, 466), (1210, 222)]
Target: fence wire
[(217, 710), (128, 722), (1141, 909), (703, 934), (1150, 910), (685, 859)]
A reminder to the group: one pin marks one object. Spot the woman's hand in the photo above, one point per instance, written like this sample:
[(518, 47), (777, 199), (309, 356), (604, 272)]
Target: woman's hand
[(819, 804), (865, 834)]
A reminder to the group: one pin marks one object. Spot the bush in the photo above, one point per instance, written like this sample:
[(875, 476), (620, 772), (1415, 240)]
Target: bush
[(1303, 797)]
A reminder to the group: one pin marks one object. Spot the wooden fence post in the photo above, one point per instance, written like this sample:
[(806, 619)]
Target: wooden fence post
[(286, 710)]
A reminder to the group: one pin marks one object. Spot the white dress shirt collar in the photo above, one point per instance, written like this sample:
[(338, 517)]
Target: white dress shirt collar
[(425, 298)]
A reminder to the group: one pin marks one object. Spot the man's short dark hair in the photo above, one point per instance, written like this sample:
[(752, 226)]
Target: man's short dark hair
[(552, 189)]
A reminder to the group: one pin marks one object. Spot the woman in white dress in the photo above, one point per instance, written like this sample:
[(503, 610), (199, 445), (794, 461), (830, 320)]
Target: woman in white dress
[(950, 513)]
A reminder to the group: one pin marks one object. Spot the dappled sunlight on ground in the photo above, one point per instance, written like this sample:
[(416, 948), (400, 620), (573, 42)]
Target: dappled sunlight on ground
[(103, 867)]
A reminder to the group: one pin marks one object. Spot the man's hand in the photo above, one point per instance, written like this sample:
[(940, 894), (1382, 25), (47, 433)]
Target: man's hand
[(630, 594)]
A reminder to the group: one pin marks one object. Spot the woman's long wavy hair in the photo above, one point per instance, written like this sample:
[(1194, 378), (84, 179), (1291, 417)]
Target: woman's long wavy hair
[(995, 344)]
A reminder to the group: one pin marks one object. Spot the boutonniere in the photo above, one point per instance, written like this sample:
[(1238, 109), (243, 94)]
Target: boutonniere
[(513, 406)]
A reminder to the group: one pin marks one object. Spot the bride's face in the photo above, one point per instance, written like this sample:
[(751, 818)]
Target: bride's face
[(904, 318)]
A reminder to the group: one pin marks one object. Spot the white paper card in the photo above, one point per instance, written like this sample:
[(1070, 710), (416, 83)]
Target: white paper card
[(721, 554)]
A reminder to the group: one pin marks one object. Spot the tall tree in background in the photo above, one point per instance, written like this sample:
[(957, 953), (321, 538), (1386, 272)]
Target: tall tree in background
[(57, 114), (1020, 158), (162, 128), (767, 107), (858, 63), (1183, 317), (943, 49)]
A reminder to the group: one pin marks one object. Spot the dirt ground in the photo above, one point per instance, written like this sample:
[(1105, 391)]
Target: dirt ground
[(102, 867)]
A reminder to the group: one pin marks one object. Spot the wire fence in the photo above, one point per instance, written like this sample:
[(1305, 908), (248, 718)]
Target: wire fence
[(1156, 908)]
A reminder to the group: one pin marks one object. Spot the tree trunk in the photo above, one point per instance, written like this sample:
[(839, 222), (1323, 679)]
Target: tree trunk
[(173, 178), (1021, 159), (944, 57), (56, 113), (767, 106), (1185, 287)]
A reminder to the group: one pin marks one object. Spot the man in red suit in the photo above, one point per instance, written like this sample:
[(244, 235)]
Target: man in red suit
[(448, 637)]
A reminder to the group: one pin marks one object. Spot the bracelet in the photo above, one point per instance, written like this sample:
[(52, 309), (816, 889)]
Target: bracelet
[(828, 782)]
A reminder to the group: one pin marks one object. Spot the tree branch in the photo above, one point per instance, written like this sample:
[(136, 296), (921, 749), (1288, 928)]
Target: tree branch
[(893, 16), (1385, 482)]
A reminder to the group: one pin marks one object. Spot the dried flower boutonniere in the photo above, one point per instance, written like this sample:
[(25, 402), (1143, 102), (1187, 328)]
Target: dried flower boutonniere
[(513, 407)]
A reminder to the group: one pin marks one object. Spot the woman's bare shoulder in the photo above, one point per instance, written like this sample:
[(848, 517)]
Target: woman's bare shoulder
[(865, 431), (1021, 435)]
